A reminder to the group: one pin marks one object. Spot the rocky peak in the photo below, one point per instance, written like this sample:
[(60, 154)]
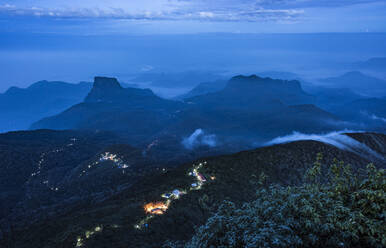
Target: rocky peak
[(106, 83), (105, 89)]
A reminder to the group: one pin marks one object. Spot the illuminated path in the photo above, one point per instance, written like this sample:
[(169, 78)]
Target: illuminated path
[(159, 208), (152, 209)]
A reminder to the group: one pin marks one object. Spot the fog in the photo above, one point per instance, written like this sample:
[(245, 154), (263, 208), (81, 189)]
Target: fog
[(199, 138), (337, 139), (75, 58)]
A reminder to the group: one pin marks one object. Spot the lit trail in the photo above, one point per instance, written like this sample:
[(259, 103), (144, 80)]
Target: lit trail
[(158, 208), (151, 209)]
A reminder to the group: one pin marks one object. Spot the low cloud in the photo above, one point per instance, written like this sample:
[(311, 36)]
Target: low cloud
[(373, 116), (337, 139), (377, 118), (199, 138)]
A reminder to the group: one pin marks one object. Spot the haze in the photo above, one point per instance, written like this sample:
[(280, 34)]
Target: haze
[(76, 40)]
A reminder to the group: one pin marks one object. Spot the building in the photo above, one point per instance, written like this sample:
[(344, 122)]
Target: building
[(201, 177)]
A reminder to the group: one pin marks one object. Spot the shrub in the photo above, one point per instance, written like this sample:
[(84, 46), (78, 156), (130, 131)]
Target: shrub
[(334, 208)]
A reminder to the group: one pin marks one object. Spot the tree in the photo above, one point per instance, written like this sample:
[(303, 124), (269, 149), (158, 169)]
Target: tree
[(333, 208)]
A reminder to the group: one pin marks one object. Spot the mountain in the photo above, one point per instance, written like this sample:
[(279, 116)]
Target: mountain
[(203, 88), (246, 91), (331, 98), (137, 112), (249, 108), (19, 108), (109, 90), (358, 111), (373, 64), (256, 108), (113, 209), (34, 164), (210, 87), (359, 83), (371, 111)]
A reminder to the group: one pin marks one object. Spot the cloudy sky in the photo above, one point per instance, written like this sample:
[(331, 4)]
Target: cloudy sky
[(192, 16), (74, 40)]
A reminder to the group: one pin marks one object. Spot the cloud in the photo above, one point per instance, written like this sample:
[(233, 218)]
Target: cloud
[(164, 10), (337, 139), (199, 138), (377, 118), (373, 116), (244, 15)]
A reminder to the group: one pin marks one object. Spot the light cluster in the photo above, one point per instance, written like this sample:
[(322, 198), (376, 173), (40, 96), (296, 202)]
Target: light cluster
[(88, 234), (159, 208), (41, 164), (107, 156), (113, 157)]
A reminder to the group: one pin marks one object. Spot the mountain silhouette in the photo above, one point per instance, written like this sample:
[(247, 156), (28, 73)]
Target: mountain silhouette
[(21, 107), (249, 106), (359, 83)]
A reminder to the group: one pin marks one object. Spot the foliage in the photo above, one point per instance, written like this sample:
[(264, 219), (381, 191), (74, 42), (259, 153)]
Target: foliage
[(346, 210)]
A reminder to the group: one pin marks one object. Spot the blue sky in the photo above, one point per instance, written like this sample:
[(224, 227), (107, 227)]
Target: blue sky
[(192, 16)]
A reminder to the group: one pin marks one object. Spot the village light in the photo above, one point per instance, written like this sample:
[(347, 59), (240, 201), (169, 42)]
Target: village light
[(160, 208), (88, 234), (156, 208), (79, 242)]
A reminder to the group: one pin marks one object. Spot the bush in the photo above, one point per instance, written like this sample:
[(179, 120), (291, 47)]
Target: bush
[(334, 208)]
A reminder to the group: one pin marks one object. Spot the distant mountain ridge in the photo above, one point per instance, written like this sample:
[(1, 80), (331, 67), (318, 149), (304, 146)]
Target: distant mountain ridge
[(255, 94), (136, 112), (248, 105), (377, 63), (359, 83), (203, 88), (20, 107)]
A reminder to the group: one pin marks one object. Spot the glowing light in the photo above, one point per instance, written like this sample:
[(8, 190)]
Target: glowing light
[(156, 208), (79, 242), (114, 158), (160, 208), (88, 234)]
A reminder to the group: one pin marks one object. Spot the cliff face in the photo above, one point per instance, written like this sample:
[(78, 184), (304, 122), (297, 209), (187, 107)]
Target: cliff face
[(109, 106), (104, 89)]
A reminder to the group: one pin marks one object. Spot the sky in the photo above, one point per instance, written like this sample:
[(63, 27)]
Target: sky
[(192, 16), (74, 40)]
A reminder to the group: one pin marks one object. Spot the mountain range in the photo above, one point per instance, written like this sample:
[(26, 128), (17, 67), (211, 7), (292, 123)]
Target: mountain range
[(20, 108), (359, 83), (375, 64), (203, 88), (123, 167), (250, 107), (246, 106)]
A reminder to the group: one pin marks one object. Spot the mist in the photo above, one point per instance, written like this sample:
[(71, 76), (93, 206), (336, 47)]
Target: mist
[(199, 138), (74, 58), (338, 139)]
